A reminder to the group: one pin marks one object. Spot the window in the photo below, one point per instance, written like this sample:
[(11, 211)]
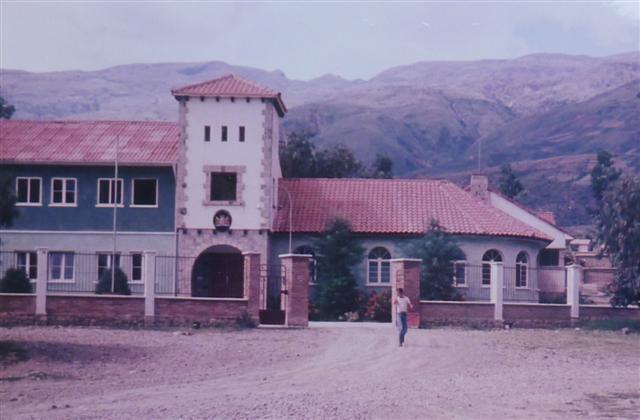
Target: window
[(28, 262), (459, 273), (379, 266), (241, 133), (108, 192), (224, 133), (29, 191), (207, 133), (136, 267), (490, 256), (223, 186), (61, 266), (63, 191), (105, 263), (144, 193), (522, 261), (307, 250)]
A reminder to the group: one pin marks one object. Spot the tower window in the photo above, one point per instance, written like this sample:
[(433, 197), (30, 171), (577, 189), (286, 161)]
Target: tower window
[(224, 133), (207, 133), (241, 133), (223, 186)]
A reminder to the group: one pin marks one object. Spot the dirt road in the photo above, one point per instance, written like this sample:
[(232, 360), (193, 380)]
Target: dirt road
[(338, 372)]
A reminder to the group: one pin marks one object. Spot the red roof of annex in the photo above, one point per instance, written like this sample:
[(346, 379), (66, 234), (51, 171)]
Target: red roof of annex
[(394, 206), (232, 86), (89, 142)]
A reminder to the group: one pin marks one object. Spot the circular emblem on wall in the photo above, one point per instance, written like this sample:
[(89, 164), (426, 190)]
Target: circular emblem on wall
[(222, 220)]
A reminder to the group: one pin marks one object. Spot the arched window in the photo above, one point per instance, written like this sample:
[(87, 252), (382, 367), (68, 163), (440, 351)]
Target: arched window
[(307, 250), (460, 272), (490, 256), (379, 266), (522, 263)]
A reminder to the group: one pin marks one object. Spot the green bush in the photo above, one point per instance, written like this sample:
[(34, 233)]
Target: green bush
[(121, 284), (337, 297), (245, 321), (377, 307), (15, 281)]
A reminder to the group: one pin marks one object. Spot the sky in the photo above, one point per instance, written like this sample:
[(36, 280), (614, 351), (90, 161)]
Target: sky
[(306, 40)]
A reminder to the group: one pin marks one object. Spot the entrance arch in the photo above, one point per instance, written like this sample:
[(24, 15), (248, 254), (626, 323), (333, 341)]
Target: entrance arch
[(218, 272)]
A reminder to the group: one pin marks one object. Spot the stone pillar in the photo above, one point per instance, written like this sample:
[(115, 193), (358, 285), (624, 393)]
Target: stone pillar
[(296, 271), (149, 286), (405, 273), (574, 275), (41, 285), (252, 285), (497, 283)]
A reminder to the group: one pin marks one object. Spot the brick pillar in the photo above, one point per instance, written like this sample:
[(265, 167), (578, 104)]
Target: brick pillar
[(574, 274), (405, 273), (149, 286), (41, 285), (497, 282), (296, 271), (252, 283)]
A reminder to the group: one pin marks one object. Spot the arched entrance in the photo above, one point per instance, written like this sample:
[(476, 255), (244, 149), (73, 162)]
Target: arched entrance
[(218, 272)]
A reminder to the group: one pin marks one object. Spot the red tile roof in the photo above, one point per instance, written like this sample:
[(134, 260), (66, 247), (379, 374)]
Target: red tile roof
[(90, 142), (232, 86), (548, 217), (392, 207)]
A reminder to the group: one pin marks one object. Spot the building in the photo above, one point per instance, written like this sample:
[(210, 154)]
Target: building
[(208, 190)]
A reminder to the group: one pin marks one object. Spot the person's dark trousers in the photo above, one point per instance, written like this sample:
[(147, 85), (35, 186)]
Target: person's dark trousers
[(403, 323)]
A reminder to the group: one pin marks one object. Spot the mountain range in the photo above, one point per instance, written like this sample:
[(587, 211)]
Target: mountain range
[(545, 114)]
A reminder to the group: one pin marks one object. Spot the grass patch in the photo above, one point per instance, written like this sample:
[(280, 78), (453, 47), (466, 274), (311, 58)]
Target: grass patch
[(613, 325), (12, 352)]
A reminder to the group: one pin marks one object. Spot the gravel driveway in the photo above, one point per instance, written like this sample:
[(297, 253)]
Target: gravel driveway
[(320, 372)]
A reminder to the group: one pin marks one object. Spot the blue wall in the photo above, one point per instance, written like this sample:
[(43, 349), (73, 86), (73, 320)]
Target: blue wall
[(86, 216)]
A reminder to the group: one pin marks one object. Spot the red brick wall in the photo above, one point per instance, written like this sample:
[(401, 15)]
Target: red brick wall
[(588, 313), (17, 309), (95, 310), (456, 313), (536, 315), (180, 311)]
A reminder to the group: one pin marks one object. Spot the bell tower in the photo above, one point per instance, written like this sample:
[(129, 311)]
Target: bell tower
[(228, 165)]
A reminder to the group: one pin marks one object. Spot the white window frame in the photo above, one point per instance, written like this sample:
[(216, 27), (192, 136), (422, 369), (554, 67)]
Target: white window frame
[(64, 193), (147, 206), (142, 258), (519, 265), (28, 263), (111, 183), (378, 262), (62, 267), (466, 273), (29, 204)]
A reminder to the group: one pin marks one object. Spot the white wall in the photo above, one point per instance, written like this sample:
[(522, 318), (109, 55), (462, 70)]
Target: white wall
[(232, 152), (560, 239)]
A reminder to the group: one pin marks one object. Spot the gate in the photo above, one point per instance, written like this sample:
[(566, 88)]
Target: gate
[(273, 294)]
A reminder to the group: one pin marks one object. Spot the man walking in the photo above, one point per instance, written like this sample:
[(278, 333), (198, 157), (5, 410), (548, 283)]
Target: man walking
[(402, 303)]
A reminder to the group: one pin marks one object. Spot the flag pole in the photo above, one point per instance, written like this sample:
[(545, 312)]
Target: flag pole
[(115, 218)]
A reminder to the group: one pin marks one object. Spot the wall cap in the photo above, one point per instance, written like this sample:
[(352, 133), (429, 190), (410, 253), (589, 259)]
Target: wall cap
[(456, 302), (202, 298), (405, 260), (93, 295), (18, 294), (251, 253)]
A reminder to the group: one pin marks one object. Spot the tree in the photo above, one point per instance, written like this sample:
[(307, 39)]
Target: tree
[(509, 183), (15, 281), (8, 210), (337, 251), (120, 283), (298, 157), (618, 225), (338, 162), (6, 110), (382, 167), (603, 175), (437, 250)]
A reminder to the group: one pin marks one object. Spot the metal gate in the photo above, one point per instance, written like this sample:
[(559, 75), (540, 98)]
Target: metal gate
[(273, 294)]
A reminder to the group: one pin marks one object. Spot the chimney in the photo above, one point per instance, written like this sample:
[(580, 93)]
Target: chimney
[(479, 187)]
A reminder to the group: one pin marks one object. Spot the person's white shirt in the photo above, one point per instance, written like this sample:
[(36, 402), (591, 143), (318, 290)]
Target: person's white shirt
[(402, 304)]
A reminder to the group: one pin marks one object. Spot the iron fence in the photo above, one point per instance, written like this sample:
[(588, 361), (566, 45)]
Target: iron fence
[(26, 261)]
